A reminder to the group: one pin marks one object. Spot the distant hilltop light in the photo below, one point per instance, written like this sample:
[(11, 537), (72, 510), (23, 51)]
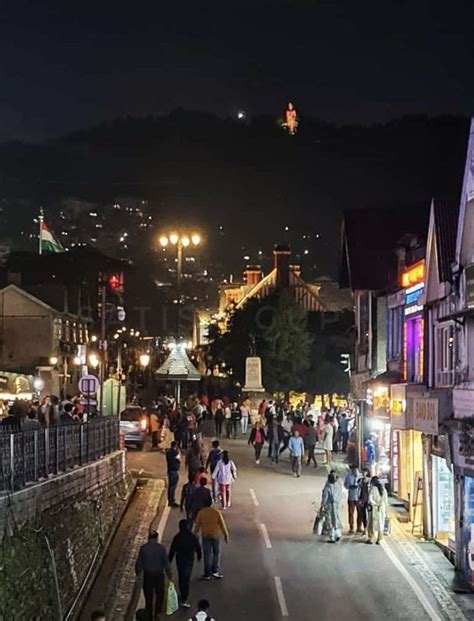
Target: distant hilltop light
[(241, 114), (287, 228)]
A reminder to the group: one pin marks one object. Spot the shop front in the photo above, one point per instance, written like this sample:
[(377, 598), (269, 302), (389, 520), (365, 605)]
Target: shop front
[(443, 513), (407, 451), (377, 429), (462, 445)]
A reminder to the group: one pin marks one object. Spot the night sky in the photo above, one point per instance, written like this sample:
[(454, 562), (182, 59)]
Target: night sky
[(67, 65)]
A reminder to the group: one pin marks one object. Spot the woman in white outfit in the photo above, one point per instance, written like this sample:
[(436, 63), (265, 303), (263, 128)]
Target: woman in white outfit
[(378, 503), (225, 474), (328, 440)]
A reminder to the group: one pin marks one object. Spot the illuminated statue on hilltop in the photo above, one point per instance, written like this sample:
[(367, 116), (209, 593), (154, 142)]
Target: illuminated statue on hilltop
[(291, 119)]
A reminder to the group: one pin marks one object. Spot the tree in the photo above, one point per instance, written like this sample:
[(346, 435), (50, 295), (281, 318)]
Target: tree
[(275, 329), (287, 344)]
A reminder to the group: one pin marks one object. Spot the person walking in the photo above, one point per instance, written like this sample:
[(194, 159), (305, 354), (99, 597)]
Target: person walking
[(310, 441), (245, 415), (218, 418), (344, 431), (185, 546), (210, 523), (228, 422), (155, 430), (287, 425), (378, 502), (328, 439), (194, 458), (225, 474), (153, 563), (363, 502), (275, 436), (296, 447), (202, 611), (215, 454), (198, 499), (351, 483), (331, 506), (173, 463), (257, 439), (235, 417)]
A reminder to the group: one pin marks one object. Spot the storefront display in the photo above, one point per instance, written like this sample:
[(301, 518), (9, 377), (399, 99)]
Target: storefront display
[(468, 530), (443, 502)]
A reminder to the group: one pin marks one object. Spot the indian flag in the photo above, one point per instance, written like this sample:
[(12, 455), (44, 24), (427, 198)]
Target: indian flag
[(48, 242)]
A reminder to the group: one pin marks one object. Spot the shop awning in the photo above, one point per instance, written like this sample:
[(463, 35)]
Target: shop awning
[(387, 378)]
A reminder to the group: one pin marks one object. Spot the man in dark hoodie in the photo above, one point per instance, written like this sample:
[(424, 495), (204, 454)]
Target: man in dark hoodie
[(184, 546)]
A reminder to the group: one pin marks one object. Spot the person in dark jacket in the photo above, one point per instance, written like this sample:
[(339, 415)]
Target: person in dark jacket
[(215, 455), (153, 562), (186, 494), (185, 546), (173, 463), (275, 436), (257, 439), (194, 458), (199, 498), (310, 442)]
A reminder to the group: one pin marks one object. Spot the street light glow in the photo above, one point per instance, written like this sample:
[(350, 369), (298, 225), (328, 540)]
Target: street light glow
[(185, 241), (94, 360), (174, 238), (53, 360), (196, 239), (77, 360), (164, 241), (144, 359)]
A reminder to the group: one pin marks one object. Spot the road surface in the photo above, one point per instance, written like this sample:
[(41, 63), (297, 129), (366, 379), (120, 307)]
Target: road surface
[(275, 568)]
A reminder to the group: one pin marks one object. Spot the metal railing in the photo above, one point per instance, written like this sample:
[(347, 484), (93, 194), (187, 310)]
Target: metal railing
[(28, 456)]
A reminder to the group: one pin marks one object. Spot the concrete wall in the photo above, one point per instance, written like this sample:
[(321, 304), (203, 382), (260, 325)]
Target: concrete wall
[(51, 533)]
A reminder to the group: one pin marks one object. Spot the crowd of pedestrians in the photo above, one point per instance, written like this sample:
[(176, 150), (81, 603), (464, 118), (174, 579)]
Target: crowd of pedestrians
[(367, 503)]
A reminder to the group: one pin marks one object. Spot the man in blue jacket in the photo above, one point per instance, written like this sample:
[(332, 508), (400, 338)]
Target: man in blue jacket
[(296, 448)]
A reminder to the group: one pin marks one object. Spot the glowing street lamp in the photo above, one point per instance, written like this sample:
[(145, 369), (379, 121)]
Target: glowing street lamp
[(144, 360), (180, 241), (94, 360), (53, 361)]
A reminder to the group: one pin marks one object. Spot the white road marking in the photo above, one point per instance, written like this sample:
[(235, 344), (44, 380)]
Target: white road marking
[(281, 597), (162, 524), (254, 497), (266, 536), (432, 613)]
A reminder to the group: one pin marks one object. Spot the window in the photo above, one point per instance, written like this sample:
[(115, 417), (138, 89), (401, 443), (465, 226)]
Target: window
[(444, 355), (395, 332), (413, 350)]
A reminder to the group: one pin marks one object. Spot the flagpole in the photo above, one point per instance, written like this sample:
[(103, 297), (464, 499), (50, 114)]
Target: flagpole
[(41, 220)]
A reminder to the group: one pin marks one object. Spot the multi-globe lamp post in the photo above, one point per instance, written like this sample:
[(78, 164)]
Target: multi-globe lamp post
[(180, 241)]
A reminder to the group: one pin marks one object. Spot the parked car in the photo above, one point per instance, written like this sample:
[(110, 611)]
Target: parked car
[(134, 426)]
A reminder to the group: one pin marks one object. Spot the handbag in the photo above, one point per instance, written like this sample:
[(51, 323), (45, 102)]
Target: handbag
[(387, 527), (318, 525), (172, 603)]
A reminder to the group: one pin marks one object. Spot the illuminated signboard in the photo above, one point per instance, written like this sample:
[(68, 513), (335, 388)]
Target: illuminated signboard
[(414, 275)]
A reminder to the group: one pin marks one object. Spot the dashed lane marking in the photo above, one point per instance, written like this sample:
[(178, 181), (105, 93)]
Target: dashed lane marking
[(266, 536), (434, 616), (281, 597), (254, 497)]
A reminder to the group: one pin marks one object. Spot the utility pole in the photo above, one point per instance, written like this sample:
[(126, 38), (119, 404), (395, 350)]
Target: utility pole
[(179, 273), (103, 337)]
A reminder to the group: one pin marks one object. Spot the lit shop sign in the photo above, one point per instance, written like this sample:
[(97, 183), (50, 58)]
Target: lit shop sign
[(414, 274), (412, 296)]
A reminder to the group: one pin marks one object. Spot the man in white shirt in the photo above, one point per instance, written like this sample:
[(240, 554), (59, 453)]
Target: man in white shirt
[(202, 613)]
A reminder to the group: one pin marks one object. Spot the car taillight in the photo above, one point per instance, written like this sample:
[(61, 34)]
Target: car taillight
[(143, 424)]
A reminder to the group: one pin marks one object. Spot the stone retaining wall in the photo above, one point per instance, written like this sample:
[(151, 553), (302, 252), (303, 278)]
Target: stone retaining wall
[(52, 531)]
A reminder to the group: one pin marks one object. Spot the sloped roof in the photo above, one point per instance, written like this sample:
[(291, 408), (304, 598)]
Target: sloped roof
[(178, 367), (369, 239), (446, 225)]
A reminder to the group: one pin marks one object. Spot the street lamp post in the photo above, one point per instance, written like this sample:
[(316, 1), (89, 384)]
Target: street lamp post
[(180, 241)]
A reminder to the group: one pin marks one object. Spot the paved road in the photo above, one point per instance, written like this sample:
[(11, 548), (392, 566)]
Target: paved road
[(281, 567)]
